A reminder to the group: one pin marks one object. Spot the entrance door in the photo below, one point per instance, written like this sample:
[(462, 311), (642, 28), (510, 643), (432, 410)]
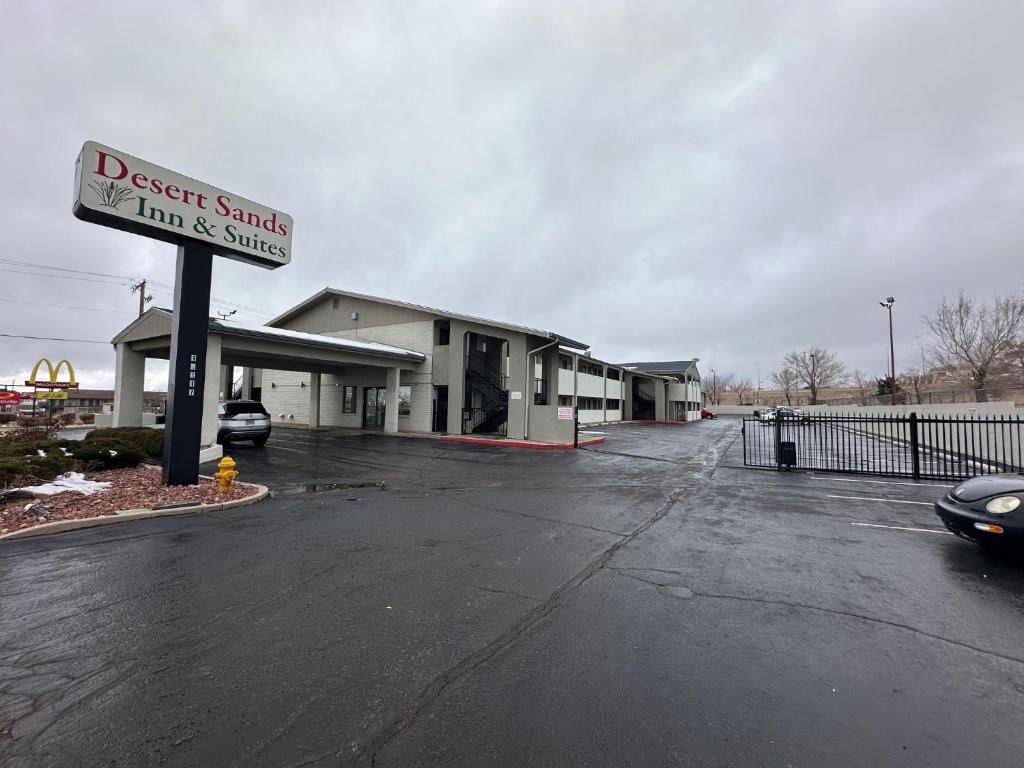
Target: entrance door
[(441, 410), (373, 407)]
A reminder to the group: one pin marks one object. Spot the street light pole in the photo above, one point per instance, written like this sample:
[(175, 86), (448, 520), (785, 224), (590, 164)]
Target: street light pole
[(814, 380), (892, 351)]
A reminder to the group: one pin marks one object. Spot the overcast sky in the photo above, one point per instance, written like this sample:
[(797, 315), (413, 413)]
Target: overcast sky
[(723, 180)]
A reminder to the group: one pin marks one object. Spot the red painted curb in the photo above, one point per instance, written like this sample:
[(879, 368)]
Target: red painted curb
[(520, 444), (662, 423)]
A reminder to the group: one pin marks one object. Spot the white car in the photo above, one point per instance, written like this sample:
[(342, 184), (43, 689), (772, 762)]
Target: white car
[(242, 420), (788, 413)]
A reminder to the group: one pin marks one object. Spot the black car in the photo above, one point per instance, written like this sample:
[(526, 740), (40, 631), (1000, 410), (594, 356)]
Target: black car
[(988, 509), (242, 420)]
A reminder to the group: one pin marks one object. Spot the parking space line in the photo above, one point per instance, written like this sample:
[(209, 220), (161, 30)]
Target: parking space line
[(892, 501), (877, 482), (901, 528)]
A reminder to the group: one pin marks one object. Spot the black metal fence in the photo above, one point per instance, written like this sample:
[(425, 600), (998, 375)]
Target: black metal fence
[(933, 447)]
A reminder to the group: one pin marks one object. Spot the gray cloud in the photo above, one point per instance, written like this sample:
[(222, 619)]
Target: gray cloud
[(725, 180)]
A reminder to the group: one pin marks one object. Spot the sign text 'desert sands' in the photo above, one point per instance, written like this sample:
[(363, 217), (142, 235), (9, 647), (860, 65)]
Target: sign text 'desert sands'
[(117, 190)]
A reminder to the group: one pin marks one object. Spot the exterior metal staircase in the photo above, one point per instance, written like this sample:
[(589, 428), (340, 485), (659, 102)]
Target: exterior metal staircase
[(643, 404), (492, 385)]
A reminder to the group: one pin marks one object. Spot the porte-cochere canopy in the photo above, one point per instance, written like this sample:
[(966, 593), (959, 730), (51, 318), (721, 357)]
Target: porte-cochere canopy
[(234, 344)]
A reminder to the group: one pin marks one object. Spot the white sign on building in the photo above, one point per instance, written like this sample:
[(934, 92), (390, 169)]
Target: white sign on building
[(118, 190)]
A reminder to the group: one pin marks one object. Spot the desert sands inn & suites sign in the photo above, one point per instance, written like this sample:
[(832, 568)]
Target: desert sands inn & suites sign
[(121, 191)]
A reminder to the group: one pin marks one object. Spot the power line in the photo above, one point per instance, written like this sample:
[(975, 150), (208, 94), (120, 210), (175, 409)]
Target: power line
[(51, 338), (157, 285), (63, 269), (61, 277), (221, 302), (67, 306)]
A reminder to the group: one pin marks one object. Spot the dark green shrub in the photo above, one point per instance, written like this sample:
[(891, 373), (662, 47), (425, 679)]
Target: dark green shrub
[(87, 418), (44, 444), (25, 440), (149, 442), (68, 418), (33, 468), (107, 453), (7, 418)]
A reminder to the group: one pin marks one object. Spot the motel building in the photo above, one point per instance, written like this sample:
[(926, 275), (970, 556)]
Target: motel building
[(342, 359)]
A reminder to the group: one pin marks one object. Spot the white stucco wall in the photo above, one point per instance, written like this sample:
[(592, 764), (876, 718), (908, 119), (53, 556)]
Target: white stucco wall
[(588, 385), (590, 417), (284, 393)]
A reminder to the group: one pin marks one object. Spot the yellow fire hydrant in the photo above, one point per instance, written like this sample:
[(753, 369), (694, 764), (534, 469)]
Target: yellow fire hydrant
[(225, 474)]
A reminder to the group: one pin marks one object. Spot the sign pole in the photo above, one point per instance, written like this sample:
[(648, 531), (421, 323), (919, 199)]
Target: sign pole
[(187, 375), (115, 189)]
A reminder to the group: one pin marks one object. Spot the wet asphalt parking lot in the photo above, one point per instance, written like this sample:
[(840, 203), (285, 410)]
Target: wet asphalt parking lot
[(643, 602)]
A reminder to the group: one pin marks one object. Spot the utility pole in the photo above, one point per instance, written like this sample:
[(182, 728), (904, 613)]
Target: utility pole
[(814, 379), (143, 298), (887, 304)]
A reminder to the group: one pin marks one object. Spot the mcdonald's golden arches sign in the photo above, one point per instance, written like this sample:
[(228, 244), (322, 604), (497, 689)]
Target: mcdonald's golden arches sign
[(54, 372)]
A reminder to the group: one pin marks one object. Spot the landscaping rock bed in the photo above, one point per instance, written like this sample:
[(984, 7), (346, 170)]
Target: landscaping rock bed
[(134, 488)]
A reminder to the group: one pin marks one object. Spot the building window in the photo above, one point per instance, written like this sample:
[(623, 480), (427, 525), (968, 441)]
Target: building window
[(348, 399), (589, 403), (442, 333), (613, 373), (613, 405), (564, 400), (565, 362), (404, 401), (335, 302)]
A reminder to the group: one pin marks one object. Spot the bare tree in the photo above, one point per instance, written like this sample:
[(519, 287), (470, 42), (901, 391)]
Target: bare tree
[(786, 379), (720, 383), (863, 383), (915, 378), (977, 338), (740, 386), (816, 368)]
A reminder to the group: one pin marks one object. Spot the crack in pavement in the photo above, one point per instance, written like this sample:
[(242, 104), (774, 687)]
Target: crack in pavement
[(433, 690), (508, 592), (664, 587), (528, 516)]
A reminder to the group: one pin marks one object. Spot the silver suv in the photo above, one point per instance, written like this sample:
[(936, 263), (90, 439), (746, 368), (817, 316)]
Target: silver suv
[(242, 420)]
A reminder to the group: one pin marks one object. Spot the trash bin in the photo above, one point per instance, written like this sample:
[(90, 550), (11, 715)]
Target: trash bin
[(787, 453)]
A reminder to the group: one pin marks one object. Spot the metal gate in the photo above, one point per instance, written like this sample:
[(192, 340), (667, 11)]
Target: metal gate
[(934, 447)]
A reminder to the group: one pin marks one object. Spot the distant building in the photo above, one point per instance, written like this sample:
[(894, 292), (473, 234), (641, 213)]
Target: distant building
[(97, 401)]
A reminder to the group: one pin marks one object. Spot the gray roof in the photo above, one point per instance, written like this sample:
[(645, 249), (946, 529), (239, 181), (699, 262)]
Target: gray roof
[(667, 366), (234, 328), (324, 292), (314, 340)]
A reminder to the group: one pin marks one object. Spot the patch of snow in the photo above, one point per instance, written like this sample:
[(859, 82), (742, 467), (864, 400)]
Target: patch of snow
[(70, 481)]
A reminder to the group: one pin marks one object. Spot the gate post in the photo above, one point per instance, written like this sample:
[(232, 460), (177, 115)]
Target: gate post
[(778, 440), (915, 457)]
